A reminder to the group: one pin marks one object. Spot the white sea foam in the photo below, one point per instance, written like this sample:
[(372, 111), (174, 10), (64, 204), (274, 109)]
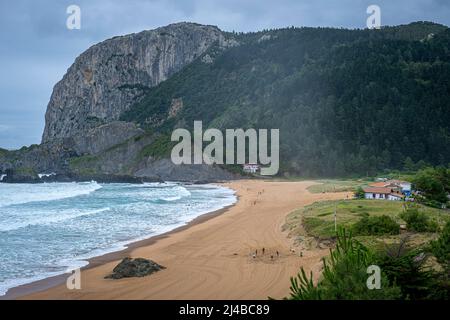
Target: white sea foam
[(59, 239), (43, 219), (12, 194), (40, 175)]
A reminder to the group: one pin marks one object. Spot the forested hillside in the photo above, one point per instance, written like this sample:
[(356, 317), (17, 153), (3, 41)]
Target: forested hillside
[(346, 101)]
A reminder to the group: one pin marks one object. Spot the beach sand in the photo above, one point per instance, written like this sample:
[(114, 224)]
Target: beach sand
[(212, 259)]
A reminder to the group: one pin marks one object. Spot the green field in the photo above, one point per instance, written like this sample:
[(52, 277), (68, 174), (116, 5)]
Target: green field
[(317, 220), (332, 185)]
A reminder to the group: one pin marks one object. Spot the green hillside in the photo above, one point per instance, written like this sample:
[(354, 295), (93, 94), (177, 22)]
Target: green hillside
[(345, 101)]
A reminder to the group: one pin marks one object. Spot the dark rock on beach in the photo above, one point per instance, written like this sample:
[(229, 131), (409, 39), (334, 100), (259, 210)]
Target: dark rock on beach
[(138, 267)]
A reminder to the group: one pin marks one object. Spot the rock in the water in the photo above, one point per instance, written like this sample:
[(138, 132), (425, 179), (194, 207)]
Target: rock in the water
[(138, 267)]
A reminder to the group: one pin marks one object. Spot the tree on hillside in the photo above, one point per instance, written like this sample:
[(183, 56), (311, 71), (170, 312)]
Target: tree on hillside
[(434, 183)]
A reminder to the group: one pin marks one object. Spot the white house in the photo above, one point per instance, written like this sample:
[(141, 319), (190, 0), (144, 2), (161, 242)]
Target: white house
[(251, 168), (396, 186), (396, 196), (382, 194)]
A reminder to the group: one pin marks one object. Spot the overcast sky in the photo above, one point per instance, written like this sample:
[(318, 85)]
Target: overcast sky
[(37, 48)]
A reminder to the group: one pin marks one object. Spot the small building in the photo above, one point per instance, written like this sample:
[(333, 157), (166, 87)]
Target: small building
[(403, 187), (406, 188), (251, 167), (380, 193)]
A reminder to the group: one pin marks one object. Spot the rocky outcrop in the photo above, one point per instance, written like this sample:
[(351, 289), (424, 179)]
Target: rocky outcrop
[(84, 137), (48, 157), (109, 77), (138, 267), (101, 138), (167, 170)]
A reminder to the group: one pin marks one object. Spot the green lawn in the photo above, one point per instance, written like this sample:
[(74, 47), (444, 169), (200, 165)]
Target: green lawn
[(317, 220), (331, 185)]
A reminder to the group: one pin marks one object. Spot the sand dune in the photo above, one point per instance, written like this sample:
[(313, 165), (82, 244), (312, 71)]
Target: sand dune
[(213, 259)]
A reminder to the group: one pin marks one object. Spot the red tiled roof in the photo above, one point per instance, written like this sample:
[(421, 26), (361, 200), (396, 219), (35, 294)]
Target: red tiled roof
[(378, 190), (381, 184)]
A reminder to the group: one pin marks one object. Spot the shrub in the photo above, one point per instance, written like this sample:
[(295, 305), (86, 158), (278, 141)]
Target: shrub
[(344, 276), (359, 193), (441, 247), (407, 269), (375, 226), (434, 183), (418, 221), (404, 274)]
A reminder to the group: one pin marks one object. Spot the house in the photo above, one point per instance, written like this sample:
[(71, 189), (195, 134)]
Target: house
[(251, 168), (396, 185), (382, 194)]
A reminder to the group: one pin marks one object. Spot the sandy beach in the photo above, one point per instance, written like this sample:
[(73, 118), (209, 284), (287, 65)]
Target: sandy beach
[(212, 258)]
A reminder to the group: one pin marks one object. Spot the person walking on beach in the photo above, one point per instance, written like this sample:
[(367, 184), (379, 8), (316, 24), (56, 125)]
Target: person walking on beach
[(278, 254), (264, 250)]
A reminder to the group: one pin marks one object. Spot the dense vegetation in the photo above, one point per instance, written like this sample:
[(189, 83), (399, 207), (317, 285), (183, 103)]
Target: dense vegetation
[(404, 274), (418, 221), (372, 222), (441, 247), (376, 226), (344, 276), (434, 185), (346, 101)]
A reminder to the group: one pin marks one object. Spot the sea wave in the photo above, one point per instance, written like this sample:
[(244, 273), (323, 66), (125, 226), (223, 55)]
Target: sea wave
[(14, 194), (132, 215), (40, 220)]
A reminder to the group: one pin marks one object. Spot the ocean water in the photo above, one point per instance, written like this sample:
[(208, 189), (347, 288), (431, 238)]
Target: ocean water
[(48, 229)]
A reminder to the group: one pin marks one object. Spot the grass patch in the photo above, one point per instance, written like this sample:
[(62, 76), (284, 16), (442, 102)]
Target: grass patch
[(160, 148), (318, 220), (376, 225), (331, 185), (84, 165)]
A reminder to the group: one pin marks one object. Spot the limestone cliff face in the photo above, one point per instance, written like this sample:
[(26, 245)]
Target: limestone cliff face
[(109, 77)]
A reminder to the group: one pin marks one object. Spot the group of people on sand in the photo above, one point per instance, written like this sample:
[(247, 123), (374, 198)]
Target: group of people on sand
[(259, 193), (300, 254), (272, 256)]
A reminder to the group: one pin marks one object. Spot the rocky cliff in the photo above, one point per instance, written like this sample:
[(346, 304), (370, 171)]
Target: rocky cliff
[(109, 77), (82, 135), (327, 90)]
